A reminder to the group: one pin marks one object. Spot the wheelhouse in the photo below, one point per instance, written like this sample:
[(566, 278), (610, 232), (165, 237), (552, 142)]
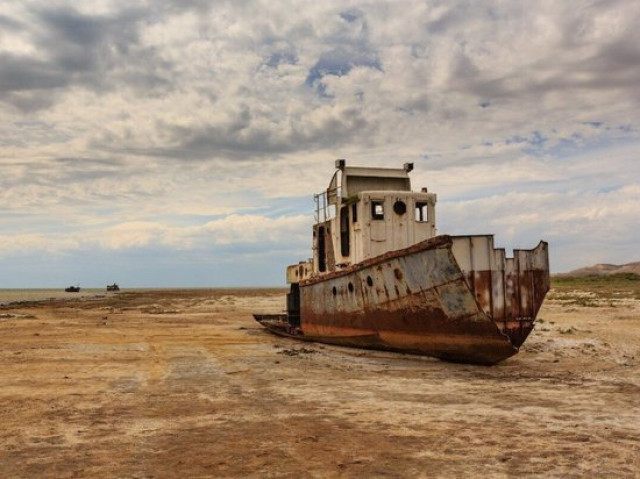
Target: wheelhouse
[(365, 212)]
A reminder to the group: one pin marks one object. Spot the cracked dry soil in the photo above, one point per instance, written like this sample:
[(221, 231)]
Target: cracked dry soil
[(185, 384)]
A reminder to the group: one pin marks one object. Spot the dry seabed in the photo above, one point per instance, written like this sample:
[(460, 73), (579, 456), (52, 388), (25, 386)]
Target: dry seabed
[(186, 384)]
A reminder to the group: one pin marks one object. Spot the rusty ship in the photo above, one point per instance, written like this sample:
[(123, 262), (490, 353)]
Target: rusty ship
[(382, 278)]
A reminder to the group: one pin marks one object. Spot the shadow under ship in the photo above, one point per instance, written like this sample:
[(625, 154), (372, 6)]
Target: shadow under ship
[(381, 278)]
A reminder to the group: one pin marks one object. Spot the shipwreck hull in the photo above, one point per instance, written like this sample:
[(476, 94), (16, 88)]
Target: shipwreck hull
[(440, 298), (381, 278), (464, 351)]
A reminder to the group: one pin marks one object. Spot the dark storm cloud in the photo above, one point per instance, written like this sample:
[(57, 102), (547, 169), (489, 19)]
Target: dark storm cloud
[(97, 52), (586, 56), (241, 139), (73, 28), (612, 65), (615, 65), (19, 73), (9, 23)]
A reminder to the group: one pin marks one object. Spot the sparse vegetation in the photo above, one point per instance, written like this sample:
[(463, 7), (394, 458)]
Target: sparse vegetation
[(595, 288)]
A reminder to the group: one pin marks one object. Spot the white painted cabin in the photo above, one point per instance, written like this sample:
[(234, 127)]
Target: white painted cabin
[(365, 212)]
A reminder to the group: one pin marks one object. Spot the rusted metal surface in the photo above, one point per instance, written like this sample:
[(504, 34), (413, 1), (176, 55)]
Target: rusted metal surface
[(436, 242), (420, 300), (381, 278), (298, 272), (509, 290)]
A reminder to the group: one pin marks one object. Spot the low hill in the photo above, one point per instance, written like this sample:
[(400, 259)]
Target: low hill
[(605, 270)]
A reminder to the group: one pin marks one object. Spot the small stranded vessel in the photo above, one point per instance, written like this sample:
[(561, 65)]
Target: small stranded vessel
[(381, 277)]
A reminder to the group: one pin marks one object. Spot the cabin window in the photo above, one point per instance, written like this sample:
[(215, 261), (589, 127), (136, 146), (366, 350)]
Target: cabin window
[(400, 207), (344, 230), (354, 212), (422, 211), (377, 210)]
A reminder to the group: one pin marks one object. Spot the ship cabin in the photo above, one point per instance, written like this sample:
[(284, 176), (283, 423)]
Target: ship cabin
[(365, 212)]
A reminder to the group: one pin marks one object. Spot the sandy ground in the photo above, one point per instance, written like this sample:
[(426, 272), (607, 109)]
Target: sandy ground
[(186, 384)]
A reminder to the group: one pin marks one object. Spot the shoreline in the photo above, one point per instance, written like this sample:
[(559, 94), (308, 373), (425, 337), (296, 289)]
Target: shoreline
[(26, 296)]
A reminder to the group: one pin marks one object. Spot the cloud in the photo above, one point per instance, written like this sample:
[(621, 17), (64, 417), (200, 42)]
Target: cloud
[(140, 126), (234, 229), (238, 229), (99, 52), (350, 48)]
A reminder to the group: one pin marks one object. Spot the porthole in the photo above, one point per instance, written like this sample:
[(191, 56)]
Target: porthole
[(400, 207), (350, 287), (369, 281), (334, 291), (397, 273)]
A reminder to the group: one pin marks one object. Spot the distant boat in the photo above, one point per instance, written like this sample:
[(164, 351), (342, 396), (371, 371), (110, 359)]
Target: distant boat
[(72, 289), (113, 287)]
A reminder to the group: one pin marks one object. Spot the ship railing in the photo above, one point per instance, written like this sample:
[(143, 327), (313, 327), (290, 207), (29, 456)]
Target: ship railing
[(325, 205)]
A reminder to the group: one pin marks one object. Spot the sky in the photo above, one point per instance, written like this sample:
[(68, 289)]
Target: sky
[(179, 143)]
